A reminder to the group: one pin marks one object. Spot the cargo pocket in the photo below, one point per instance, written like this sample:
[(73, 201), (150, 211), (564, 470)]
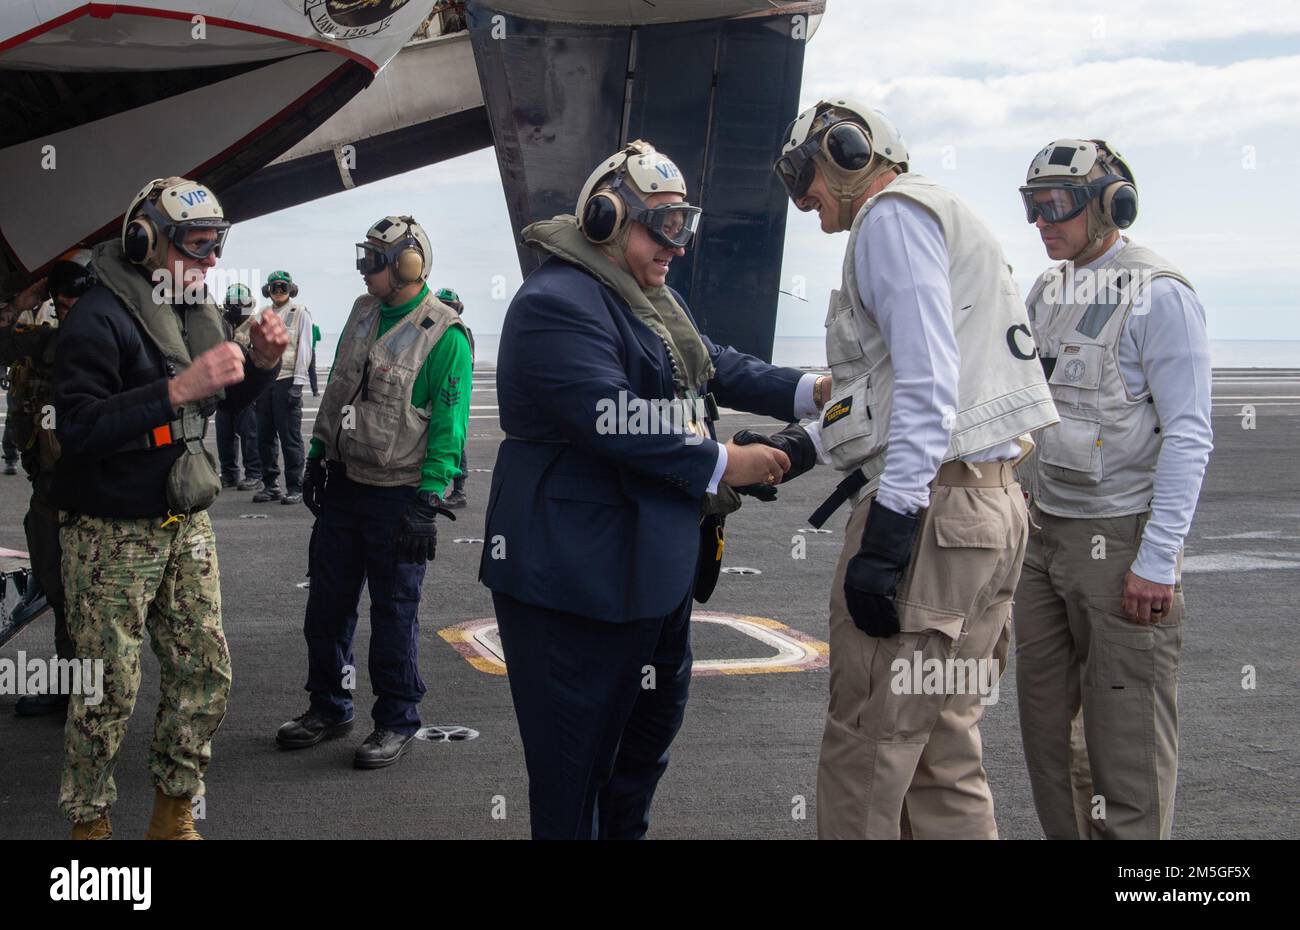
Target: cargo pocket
[(1121, 652), (1070, 451), (1078, 369), (844, 353), (847, 424), (955, 558)]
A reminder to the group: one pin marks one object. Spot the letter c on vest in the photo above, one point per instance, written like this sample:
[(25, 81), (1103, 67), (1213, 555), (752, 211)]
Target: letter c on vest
[(1015, 347)]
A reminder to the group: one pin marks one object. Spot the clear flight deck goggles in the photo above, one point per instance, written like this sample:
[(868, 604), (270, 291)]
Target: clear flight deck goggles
[(199, 248), (1058, 203), (672, 225), (177, 233)]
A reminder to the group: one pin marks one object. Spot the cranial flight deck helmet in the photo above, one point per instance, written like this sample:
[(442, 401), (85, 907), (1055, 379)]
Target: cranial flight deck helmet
[(1073, 175), (852, 143), (164, 211), (615, 194), (399, 244)]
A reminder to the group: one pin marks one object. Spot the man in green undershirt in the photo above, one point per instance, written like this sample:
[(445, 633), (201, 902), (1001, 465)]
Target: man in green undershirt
[(387, 441)]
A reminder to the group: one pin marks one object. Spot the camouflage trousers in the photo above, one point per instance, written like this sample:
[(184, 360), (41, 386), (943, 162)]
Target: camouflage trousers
[(121, 577)]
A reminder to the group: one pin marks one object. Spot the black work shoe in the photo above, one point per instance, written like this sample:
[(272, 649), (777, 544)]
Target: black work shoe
[(309, 729), (229, 483), (39, 705), (381, 748), (455, 499), (293, 497), (249, 484), (33, 604), (11, 468), (266, 495)]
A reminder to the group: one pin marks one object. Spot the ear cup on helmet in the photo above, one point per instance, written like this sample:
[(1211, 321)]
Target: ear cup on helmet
[(1119, 204), (138, 241), (266, 290), (409, 265), (293, 290), (602, 217), (847, 145)]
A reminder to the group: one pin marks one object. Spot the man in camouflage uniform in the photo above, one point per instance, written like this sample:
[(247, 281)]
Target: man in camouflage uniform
[(29, 349), (138, 371)]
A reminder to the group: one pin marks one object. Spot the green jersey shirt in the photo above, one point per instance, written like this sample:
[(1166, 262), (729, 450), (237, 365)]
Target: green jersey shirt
[(443, 389)]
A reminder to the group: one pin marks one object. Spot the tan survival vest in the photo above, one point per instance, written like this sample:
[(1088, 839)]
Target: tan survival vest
[(366, 420), (1101, 460), (1001, 391)]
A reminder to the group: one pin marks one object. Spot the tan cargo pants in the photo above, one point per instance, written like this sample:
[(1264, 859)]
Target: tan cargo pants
[(898, 760), (1098, 693)]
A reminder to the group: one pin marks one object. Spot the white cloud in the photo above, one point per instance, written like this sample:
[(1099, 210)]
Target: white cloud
[(1008, 36), (1139, 100)]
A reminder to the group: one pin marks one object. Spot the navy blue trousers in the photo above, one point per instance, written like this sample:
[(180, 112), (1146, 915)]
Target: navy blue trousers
[(236, 433), (279, 422), (355, 543), (595, 732)]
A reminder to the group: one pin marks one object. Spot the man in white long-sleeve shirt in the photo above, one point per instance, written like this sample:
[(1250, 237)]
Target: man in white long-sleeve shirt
[(935, 390), (1099, 608)]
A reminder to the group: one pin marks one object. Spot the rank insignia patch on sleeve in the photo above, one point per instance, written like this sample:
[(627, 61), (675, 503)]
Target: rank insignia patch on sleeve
[(450, 394)]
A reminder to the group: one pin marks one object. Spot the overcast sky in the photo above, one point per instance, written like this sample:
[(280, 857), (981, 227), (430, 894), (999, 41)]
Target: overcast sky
[(1202, 98)]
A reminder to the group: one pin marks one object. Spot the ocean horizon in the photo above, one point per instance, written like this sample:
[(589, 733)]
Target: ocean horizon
[(810, 351)]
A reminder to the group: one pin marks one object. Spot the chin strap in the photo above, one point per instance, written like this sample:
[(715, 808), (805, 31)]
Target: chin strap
[(848, 194), (1098, 231), (1098, 227)]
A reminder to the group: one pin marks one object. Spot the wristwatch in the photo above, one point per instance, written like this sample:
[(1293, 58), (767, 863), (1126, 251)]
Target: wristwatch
[(821, 388)]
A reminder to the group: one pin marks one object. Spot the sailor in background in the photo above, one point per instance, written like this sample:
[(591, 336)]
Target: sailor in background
[(237, 429), (279, 410)]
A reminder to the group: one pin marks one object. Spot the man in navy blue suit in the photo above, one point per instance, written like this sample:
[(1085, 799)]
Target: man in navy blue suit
[(608, 472)]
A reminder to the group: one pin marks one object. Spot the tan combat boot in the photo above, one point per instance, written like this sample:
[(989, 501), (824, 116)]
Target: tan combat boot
[(173, 819), (99, 829)]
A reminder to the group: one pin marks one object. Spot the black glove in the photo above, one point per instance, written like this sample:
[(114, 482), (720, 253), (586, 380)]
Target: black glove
[(764, 492), (794, 441), (314, 477), (417, 540), (872, 578)]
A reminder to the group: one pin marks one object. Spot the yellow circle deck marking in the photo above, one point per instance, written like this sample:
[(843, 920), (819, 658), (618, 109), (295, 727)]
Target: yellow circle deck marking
[(479, 642)]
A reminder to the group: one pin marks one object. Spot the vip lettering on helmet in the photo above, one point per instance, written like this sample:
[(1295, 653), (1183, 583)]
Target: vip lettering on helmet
[(615, 193), (667, 170)]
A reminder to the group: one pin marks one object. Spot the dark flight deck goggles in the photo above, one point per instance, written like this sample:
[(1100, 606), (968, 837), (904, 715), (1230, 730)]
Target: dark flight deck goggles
[(278, 287), (1056, 204), (371, 258), (796, 168)]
